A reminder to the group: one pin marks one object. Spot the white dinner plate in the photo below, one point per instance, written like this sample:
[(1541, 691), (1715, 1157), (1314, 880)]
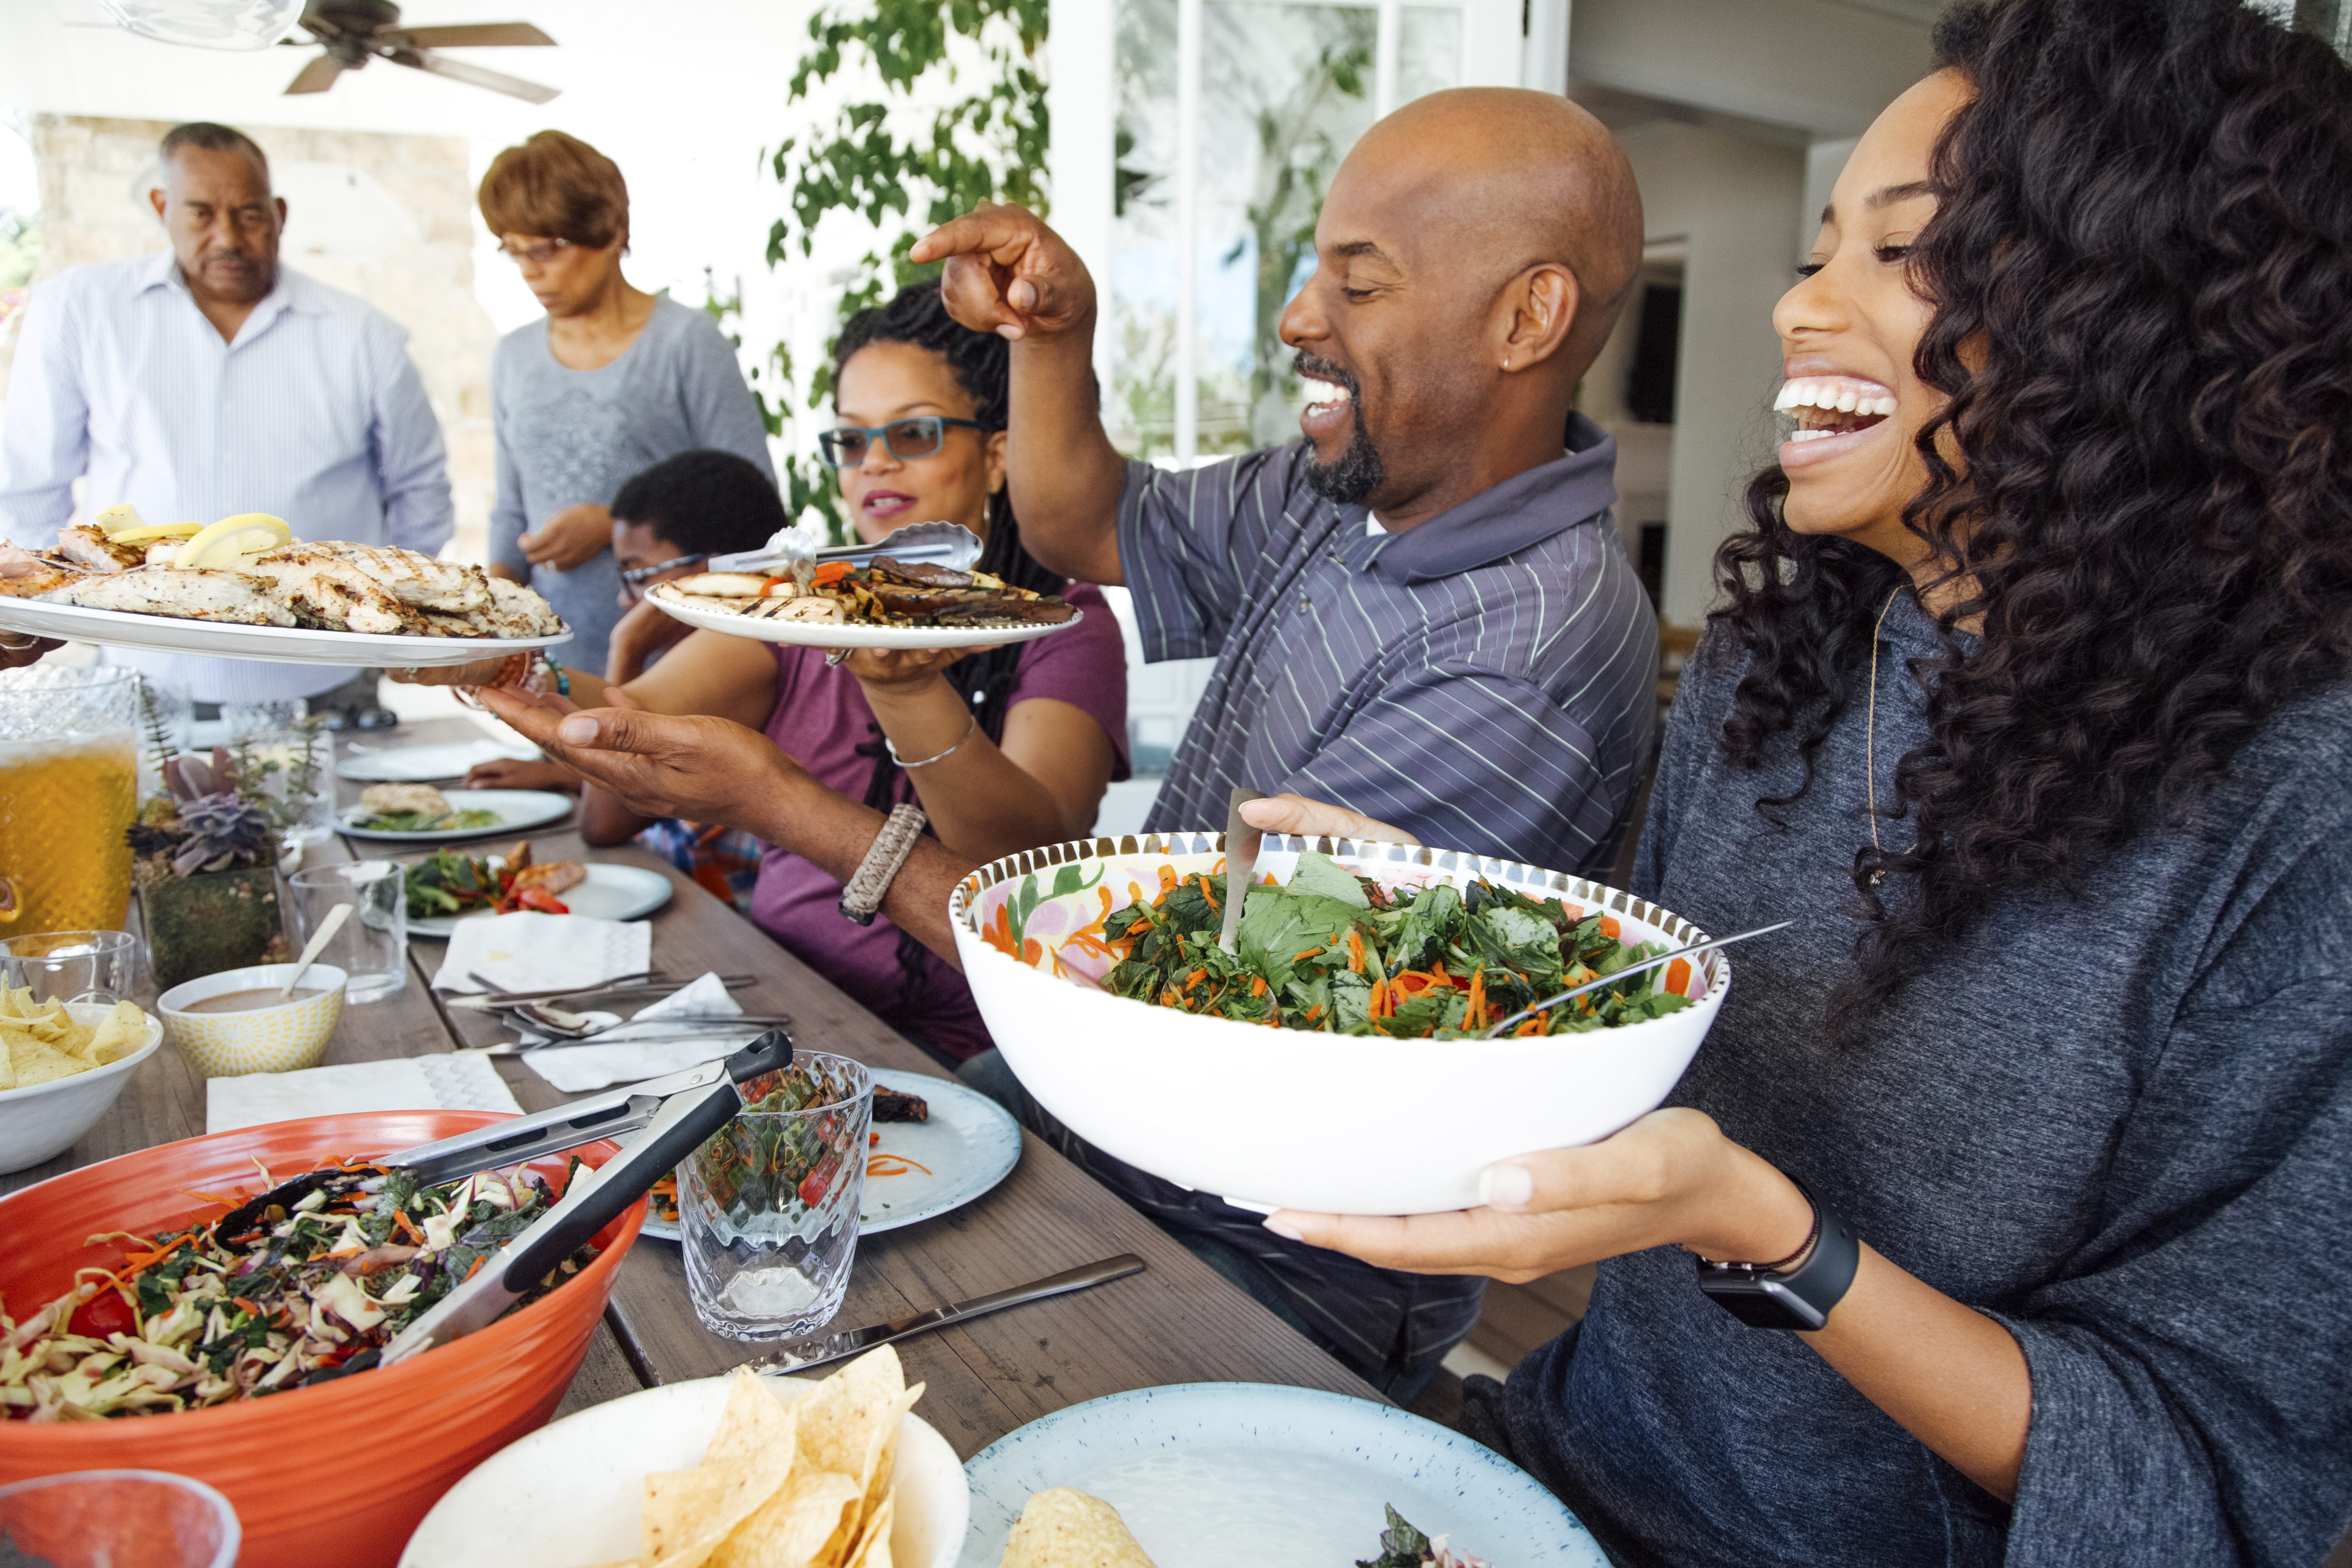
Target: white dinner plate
[(275, 645), (805, 634), (423, 764), (969, 1145), (1210, 1474), (516, 808), (609, 893), (571, 1493)]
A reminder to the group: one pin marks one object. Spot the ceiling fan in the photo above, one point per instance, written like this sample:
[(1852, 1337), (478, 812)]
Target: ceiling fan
[(355, 31)]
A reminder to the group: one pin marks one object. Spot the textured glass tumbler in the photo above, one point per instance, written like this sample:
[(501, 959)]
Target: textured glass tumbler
[(767, 1207), (68, 788), (99, 966), (117, 1519), (372, 946)]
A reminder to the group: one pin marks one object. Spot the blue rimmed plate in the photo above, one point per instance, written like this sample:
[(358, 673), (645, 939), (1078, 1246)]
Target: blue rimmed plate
[(1209, 1474)]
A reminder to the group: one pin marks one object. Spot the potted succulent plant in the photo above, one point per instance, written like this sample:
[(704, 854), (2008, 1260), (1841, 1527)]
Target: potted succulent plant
[(204, 862)]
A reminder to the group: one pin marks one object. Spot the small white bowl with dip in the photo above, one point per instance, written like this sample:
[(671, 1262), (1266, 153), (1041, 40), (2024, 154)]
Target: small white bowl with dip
[(231, 1024)]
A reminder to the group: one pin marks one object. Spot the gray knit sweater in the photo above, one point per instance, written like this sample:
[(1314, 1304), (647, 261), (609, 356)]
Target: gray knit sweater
[(2121, 1125)]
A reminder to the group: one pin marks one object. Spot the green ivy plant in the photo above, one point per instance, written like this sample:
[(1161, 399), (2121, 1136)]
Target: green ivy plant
[(902, 173)]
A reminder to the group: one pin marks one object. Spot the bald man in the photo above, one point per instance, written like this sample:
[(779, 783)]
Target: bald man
[(1420, 610)]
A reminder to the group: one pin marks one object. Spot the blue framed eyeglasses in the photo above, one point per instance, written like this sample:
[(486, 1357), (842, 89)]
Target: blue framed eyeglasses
[(846, 447)]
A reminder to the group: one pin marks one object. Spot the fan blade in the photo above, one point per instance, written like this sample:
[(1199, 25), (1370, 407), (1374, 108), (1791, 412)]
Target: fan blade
[(472, 75), (474, 36), (318, 76)]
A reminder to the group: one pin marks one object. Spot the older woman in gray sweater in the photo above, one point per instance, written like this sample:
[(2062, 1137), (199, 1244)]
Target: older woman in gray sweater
[(612, 381)]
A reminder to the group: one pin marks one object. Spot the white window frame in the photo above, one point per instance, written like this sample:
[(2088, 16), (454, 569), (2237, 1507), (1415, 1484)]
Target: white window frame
[(1504, 43)]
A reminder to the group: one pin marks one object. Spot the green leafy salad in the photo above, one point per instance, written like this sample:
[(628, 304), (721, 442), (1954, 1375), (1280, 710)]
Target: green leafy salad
[(421, 822), (1338, 952)]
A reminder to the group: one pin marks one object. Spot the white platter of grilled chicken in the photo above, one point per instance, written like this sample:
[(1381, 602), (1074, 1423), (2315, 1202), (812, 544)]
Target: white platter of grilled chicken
[(306, 602)]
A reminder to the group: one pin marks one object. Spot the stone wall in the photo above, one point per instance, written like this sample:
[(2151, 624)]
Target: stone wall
[(390, 221)]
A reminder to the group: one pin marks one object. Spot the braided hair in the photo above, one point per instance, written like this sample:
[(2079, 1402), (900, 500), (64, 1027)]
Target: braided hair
[(2141, 266), (980, 362)]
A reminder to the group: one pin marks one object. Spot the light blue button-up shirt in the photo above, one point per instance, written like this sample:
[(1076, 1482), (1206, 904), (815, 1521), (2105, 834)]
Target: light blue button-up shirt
[(313, 413)]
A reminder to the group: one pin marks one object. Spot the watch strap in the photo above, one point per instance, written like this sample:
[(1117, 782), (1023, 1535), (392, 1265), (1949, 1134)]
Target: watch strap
[(1764, 1297)]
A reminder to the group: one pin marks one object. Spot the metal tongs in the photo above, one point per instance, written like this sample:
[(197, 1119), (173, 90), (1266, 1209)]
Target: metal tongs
[(949, 544), (676, 1114)]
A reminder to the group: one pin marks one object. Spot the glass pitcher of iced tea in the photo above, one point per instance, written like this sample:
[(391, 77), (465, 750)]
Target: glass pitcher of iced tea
[(68, 788)]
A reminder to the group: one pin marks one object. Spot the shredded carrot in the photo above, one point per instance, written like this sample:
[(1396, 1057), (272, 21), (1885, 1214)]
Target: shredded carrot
[(1610, 928), (1437, 971), (1532, 1027), (1195, 978), (139, 1262), (1315, 1012), (832, 571), (1257, 985), (236, 1201), (249, 1305), (1379, 1008), (1476, 1018), (402, 1223), (1210, 896), (1310, 953), (892, 1166), (477, 1268), (1355, 952), (1678, 975), (1168, 880)]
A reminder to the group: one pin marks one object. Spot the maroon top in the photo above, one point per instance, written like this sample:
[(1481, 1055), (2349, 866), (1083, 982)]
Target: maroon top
[(821, 719)]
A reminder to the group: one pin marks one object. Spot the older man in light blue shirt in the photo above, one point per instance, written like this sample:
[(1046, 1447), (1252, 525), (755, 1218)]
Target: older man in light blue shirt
[(209, 380)]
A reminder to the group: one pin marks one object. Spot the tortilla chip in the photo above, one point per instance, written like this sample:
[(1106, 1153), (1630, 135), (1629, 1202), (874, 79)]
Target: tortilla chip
[(1064, 1528), (689, 1513), (8, 1068), (756, 1427), (792, 1527), (118, 1035), (882, 1452), (837, 1421), (17, 1002), (37, 1063), (873, 1549)]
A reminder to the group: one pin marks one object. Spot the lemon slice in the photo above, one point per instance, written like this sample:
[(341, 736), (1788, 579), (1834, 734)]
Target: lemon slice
[(115, 519), (149, 532), (247, 534)]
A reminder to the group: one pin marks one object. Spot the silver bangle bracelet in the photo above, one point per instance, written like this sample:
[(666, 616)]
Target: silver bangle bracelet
[(943, 757)]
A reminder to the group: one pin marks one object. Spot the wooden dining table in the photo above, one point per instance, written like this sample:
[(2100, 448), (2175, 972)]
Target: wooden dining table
[(1178, 1321)]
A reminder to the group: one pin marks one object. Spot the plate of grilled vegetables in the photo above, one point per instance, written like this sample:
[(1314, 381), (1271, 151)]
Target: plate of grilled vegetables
[(885, 603), (245, 588)]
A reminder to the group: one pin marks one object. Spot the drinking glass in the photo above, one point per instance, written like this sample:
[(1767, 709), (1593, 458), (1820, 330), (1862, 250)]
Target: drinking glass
[(68, 785), (99, 966), (117, 1519), (767, 1207), (372, 946)]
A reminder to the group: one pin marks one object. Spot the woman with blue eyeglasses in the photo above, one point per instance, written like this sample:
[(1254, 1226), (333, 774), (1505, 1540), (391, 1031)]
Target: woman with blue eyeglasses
[(1005, 749)]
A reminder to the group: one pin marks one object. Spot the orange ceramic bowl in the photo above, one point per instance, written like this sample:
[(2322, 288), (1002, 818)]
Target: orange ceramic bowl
[(342, 1472)]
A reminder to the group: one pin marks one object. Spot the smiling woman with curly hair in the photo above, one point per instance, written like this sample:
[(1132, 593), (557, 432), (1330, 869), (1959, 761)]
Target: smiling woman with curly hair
[(2029, 705)]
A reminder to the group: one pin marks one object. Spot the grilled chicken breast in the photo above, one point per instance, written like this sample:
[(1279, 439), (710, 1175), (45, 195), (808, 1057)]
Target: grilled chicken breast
[(25, 575), (325, 590), (200, 595), (412, 578), (89, 547)]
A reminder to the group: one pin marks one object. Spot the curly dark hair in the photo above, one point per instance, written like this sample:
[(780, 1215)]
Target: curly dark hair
[(982, 363), (703, 502), (2141, 269)]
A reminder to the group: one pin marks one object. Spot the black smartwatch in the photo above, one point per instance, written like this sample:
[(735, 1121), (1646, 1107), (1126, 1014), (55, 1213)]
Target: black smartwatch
[(1772, 1296)]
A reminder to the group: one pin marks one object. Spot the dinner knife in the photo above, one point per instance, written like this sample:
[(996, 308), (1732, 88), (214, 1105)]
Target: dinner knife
[(1242, 842), (819, 1350)]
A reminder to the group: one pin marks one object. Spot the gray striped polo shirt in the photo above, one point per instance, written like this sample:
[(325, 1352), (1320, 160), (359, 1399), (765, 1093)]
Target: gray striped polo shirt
[(1484, 680)]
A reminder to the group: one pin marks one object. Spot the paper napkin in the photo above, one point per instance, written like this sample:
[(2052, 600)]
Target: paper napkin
[(534, 952), (578, 1068), (413, 1083)]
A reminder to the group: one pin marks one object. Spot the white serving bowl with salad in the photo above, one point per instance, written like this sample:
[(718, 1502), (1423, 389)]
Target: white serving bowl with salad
[(1299, 1116)]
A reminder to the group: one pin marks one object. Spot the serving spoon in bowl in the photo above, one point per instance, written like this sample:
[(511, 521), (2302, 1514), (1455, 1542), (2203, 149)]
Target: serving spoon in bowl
[(315, 946), (1615, 976)]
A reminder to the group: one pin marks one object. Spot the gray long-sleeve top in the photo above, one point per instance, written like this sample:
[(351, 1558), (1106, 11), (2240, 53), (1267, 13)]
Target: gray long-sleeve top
[(2119, 1124), (567, 437)]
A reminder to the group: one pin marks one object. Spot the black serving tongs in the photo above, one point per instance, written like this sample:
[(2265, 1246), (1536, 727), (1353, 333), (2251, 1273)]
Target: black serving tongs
[(676, 1114)]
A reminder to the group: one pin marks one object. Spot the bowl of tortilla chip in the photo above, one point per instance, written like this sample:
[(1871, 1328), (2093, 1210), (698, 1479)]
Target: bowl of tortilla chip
[(61, 1065), (743, 1470)]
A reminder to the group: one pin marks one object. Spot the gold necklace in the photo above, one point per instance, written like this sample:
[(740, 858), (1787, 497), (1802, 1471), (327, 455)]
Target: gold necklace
[(1870, 735)]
